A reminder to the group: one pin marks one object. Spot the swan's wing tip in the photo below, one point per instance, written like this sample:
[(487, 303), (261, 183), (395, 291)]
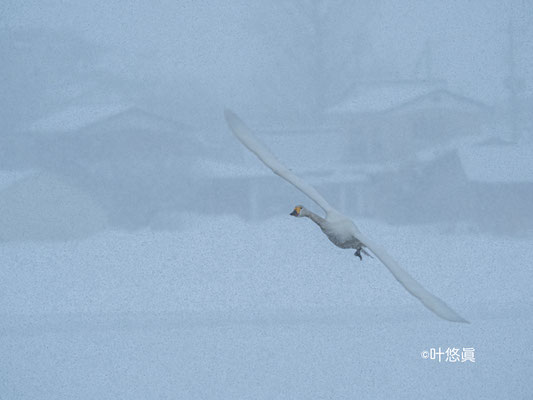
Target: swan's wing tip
[(447, 313), (461, 320), (239, 129), (457, 319), (433, 303), (230, 115)]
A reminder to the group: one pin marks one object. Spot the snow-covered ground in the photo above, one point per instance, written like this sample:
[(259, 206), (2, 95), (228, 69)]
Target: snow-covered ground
[(227, 309)]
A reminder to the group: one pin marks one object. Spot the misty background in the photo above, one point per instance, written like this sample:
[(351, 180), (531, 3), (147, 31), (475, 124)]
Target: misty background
[(130, 216)]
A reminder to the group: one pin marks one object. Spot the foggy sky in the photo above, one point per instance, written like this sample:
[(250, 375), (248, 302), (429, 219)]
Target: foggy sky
[(252, 55)]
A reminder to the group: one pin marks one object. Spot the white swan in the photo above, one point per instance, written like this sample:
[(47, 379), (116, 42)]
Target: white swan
[(338, 228)]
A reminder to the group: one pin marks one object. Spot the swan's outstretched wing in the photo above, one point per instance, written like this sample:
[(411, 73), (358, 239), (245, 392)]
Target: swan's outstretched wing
[(432, 302), (245, 135)]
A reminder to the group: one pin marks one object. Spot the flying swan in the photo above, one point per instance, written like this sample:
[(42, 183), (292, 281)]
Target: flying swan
[(338, 228)]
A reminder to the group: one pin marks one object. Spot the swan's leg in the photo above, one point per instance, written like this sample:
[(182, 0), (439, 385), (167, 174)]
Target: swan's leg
[(366, 253), (358, 253)]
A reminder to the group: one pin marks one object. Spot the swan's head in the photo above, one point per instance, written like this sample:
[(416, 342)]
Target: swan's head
[(297, 211)]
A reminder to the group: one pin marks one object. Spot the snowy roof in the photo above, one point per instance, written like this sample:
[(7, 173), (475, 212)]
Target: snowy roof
[(381, 98), (444, 99), (374, 99), (75, 117), (114, 116), (138, 119), (498, 163)]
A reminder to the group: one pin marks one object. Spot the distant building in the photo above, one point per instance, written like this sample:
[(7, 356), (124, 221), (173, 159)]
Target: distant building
[(244, 186), (486, 185), (252, 191), (133, 162), (379, 149), (393, 121)]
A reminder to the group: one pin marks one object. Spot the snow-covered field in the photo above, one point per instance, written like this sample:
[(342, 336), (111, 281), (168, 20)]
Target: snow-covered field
[(227, 309)]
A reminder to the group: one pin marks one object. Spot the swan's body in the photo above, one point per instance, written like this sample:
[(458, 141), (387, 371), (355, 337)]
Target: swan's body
[(339, 229)]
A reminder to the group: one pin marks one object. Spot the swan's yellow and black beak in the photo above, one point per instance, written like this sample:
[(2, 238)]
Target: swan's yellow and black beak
[(296, 211)]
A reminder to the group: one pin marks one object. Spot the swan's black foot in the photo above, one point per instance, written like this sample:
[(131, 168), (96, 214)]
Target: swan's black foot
[(358, 253)]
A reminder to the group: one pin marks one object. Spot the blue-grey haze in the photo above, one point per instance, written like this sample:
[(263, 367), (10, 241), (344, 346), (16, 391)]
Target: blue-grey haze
[(144, 253)]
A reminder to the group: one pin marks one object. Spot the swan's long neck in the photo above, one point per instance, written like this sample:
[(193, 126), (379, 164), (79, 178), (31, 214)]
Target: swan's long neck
[(315, 218)]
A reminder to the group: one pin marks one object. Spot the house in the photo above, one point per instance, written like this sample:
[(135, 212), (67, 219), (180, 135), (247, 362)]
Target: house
[(133, 162), (384, 122), (486, 185), (244, 186)]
